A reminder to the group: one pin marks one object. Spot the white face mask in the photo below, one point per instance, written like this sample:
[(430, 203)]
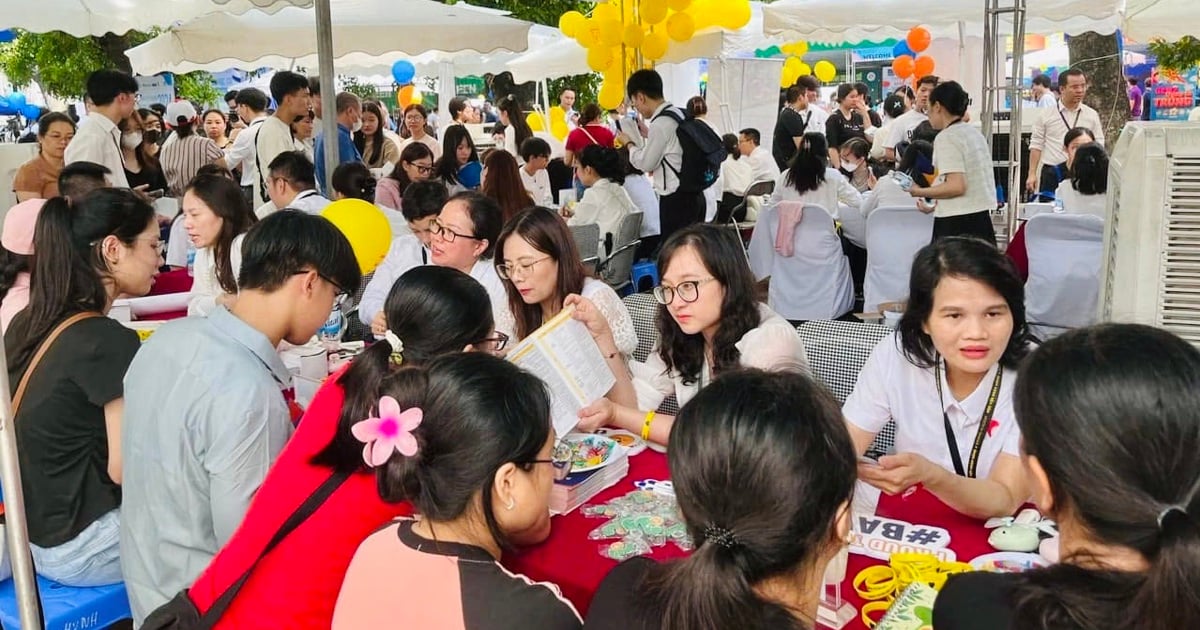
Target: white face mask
[(357, 126), (850, 165), (131, 141)]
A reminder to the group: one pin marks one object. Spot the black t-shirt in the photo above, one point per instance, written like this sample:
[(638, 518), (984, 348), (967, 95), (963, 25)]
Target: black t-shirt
[(789, 125), (152, 177), (61, 435), (839, 129), (975, 601)]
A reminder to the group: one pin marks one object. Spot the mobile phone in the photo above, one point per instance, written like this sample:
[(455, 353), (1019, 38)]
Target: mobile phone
[(632, 114), (157, 193), (868, 461)]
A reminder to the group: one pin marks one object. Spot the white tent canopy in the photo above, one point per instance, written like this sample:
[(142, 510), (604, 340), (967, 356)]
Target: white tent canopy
[(829, 21), (97, 17), (1167, 19), (369, 30)]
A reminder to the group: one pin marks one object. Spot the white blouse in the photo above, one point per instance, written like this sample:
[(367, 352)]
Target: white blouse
[(610, 306), (890, 387), (205, 287), (605, 203), (773, 345), (836, 195)]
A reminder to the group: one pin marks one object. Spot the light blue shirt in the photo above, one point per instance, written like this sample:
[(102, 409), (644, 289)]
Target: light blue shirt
[(204, 420)]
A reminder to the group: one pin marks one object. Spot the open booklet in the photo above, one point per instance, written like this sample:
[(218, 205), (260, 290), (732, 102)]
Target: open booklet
[(563, 354)]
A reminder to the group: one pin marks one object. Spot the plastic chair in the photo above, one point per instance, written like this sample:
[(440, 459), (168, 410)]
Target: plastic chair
[(587, 239), (616, 270), (67, 607), (894, 236), (1065, 254), (813, 283), (644, 270)]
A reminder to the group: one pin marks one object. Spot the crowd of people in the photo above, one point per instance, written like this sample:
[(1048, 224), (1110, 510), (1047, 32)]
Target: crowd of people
[(180, 467)]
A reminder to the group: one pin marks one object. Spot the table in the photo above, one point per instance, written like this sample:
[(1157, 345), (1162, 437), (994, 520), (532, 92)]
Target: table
[(572, 561)]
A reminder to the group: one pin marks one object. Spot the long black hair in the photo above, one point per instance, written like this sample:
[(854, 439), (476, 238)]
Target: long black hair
[(1089, 169), (11, 265), (480, 413), (69, 270), (722, 254), (224, 197), (377, 139), (447, 167), (354, 181), (1110, 414), (412, 152), (961, 257), (605, 161), (434, 311), (521, 131), (806, 171), (763, 468)]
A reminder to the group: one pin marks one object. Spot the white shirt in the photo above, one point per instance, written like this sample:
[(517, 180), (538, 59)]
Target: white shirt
[(887, 194), (205, 286), (510, 144), (485, 272), (1047, 100), (178, 244), (611, 307), (902, 128), (241, 152), (606, 203), (1050, 127), (889, 387), (641, 191), (773, 345), (309, 201), (428, 141), (961, 148), (99, 140), (405, 253), (660, 146), (762, 165), (736, 176), (1073, 202), (836, 195), (538, 186), (274, 137), (816, 118)]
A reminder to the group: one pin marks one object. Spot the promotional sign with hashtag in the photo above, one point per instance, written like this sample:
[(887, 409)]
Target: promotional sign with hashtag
[(880, 537)]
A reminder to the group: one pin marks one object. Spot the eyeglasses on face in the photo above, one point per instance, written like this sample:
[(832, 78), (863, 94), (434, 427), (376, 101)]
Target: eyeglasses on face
[(421, 168), (560, 459), (495, 342), (437, 229), (521, 268), (339, 294), (688, 291)]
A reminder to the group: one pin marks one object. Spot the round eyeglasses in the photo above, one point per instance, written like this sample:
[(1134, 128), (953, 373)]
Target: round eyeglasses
[(688, 291)]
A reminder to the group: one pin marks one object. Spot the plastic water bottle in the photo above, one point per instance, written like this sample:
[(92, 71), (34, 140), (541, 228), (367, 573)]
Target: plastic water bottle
[(191, 259), (331, 332)]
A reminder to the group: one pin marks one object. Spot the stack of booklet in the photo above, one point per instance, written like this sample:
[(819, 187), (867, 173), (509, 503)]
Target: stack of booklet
[(579, 488)]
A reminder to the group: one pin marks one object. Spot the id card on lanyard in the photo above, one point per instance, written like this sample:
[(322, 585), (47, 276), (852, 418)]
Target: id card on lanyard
[(980, 433)]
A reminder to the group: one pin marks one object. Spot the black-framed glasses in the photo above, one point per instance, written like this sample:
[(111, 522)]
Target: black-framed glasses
[(437, 229), (421, 168), (508, 270), (497, 339), (688, 291), (339, 295), (560, 459)]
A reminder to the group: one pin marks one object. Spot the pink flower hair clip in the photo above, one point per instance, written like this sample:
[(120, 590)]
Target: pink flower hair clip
[(391, 431)]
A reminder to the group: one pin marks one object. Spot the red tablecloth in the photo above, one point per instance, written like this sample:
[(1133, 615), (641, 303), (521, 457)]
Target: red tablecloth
[(177, 281), (568, 558)]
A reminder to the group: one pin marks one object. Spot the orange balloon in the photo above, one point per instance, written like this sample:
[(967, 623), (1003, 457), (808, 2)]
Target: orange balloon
[(923, 66), (404, 96), (903, 66), (918, 39)]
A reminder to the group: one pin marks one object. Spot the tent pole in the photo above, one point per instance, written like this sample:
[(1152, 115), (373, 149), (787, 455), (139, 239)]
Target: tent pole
[(14, 510), (328, 87)]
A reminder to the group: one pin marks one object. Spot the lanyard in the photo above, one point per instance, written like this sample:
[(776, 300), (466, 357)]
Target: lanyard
[(1070, 126), (981, 433)]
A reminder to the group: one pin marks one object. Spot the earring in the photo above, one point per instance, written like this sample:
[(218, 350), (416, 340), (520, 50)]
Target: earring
[(511, 503), (849, 539)]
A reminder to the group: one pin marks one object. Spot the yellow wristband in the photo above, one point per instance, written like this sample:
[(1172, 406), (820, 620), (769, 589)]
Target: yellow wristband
[(646, 425)]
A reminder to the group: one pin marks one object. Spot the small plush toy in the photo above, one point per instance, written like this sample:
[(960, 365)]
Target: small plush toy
[(1024, 532)]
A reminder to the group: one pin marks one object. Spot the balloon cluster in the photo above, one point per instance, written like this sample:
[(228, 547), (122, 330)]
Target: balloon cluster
[(794, 66), (403, 73), (14, 104), (618, 40), (909, 63), (557, 125)]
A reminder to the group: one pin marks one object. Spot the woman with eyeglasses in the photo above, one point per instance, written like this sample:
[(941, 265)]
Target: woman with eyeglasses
[(540, 265), (464, 237), (415, 118), (709, 322), (415, 165), (216, 217), (68, 420), (475, 454), (433, 312)]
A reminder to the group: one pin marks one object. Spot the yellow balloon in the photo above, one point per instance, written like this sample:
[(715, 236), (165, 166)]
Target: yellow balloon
[(792, 64), (653, 11), (418, 96), (825, 71), (365, 226), (679, 5), (559, 129), (535, 121), (633, 36), (570, 22), (599, 58), (606, 12), (588, 34), (655, 45), (611, 94), (800, 48), (787, 78), (804, 70), (681, 27), (611, 32), (557, 113), (734, 14)]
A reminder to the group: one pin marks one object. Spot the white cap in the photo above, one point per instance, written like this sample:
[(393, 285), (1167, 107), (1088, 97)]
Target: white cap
[(180, 109)]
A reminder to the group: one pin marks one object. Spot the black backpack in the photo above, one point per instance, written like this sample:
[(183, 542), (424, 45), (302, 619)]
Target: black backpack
[(703, 152)]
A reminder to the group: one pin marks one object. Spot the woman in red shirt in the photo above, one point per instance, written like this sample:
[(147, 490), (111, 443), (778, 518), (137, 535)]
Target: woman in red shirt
[(432, 311), (591, 130)]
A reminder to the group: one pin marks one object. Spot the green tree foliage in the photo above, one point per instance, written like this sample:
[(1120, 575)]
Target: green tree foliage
[(198, 87), (1179, 55)]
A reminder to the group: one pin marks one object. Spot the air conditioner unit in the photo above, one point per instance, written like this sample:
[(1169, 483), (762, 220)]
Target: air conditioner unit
[(1151, 259)]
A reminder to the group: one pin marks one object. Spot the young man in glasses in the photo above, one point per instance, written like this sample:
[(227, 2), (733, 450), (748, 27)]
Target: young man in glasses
[(205, 413), (114, 96), (292, 184)]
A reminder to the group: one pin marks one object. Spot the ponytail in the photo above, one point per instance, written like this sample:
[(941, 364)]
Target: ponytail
[(806, 171), (1169, 598)]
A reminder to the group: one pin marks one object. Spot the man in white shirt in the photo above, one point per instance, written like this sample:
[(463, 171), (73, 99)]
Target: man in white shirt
[(251, 108), (114, 97), (902, 128), (658, 151), (292, 184), (1043, 93), (762, 165), (290, 91), (1047, 153), (536, 153), (422, 203)]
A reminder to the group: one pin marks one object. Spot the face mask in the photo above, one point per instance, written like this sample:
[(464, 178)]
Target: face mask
[(131, 140), (850, 166), (357, 126)]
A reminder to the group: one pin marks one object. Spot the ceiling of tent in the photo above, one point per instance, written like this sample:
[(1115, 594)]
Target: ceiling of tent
[(97, 17)]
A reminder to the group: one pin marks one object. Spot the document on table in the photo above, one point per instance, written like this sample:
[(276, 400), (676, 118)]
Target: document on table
[(563, 354), (154, 304)]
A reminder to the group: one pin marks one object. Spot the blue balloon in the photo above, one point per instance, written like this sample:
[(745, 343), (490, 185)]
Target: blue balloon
[(901, 48), (3, 101), (31, 111), (403, 72), (17, 100)]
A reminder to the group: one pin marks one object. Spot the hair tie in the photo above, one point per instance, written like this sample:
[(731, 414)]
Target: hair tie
[(391, 431), (397, 356), (721, 536), (1167, 512)]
